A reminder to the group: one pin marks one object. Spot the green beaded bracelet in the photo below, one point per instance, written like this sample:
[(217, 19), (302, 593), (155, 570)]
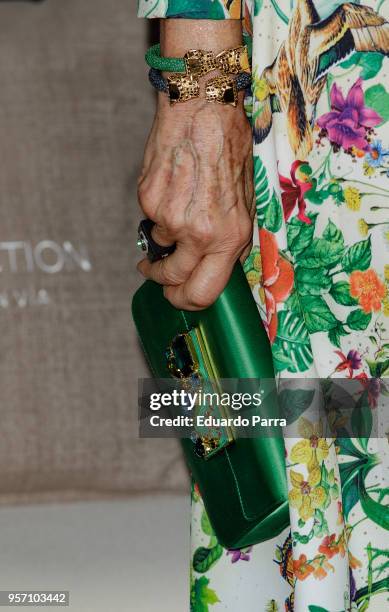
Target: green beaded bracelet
[(165, 64)]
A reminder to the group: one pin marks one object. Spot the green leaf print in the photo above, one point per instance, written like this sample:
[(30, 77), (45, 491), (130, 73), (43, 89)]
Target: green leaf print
[(300, 234), (333, 234), (353, 474), (371, 64), (348, 448), (205, 524), (273, 214), (281, 359), (353, 60), (377, 512), (322, 253), (349, 471), (279, 12), (201, 596), (294, 402), (320, 525), (361, 418), (292, 348), (317, 196), (335, 334), (215, 11), (309, 283), (350, 495), (378, 555), (292, 303), (364, 594), (212, 9), (318, 317), (358, 320), (377, 97), (302, 538), (262, 190), (364, 443), (341, 293), (378, 368), (204, 558), (257, 7), (357, 257)]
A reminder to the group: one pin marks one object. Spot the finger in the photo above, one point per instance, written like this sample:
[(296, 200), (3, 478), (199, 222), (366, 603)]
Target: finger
[(173, 269), (152, 185), (171, 214), (167, 189), (162, 235), (204, 285)]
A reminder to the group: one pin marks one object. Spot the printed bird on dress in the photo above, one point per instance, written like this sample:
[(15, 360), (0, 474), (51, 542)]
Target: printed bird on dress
[(294, 82)]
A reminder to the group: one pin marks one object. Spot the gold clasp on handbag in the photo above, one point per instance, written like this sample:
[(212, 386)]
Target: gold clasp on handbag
[(188, 361), (206, 445)]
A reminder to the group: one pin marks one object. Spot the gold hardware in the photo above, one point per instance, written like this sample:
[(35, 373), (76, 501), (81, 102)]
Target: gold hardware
[(233, 61), (182, 88), (230, 61), (222, 89), (199, 62), (205, 445), (188, 360)]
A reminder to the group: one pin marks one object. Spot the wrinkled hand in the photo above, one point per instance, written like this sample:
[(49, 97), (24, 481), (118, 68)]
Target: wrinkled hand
[(197, 186)]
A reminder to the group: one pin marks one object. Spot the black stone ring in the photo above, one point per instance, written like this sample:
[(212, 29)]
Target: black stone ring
[(153, 250)]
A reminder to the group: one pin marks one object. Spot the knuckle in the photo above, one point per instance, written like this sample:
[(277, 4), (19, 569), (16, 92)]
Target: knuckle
[(145, 200), (244, 231), (203, 232), (142, 184), (172, 277), (198, 299), (171, 221)]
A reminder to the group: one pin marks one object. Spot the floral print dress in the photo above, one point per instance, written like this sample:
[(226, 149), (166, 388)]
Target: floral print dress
[(319, 272)]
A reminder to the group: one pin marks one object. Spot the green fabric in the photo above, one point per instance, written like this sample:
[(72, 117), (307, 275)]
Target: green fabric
[(190, 9), (195, 9)]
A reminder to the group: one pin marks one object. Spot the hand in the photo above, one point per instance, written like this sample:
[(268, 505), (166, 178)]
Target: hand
[(197, 186)]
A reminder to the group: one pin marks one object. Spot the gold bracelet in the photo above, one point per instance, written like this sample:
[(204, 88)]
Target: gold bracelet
[(183, 86), (231, 61), (198, 62), (222, 89)]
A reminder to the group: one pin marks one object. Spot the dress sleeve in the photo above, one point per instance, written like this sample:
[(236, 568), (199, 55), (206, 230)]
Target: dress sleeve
[(190, 9)]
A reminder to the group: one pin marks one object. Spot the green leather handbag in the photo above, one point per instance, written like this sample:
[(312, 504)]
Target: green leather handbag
[(242, 480)]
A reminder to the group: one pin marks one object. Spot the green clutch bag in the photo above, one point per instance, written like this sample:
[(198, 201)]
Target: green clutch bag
[(242, 480)]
